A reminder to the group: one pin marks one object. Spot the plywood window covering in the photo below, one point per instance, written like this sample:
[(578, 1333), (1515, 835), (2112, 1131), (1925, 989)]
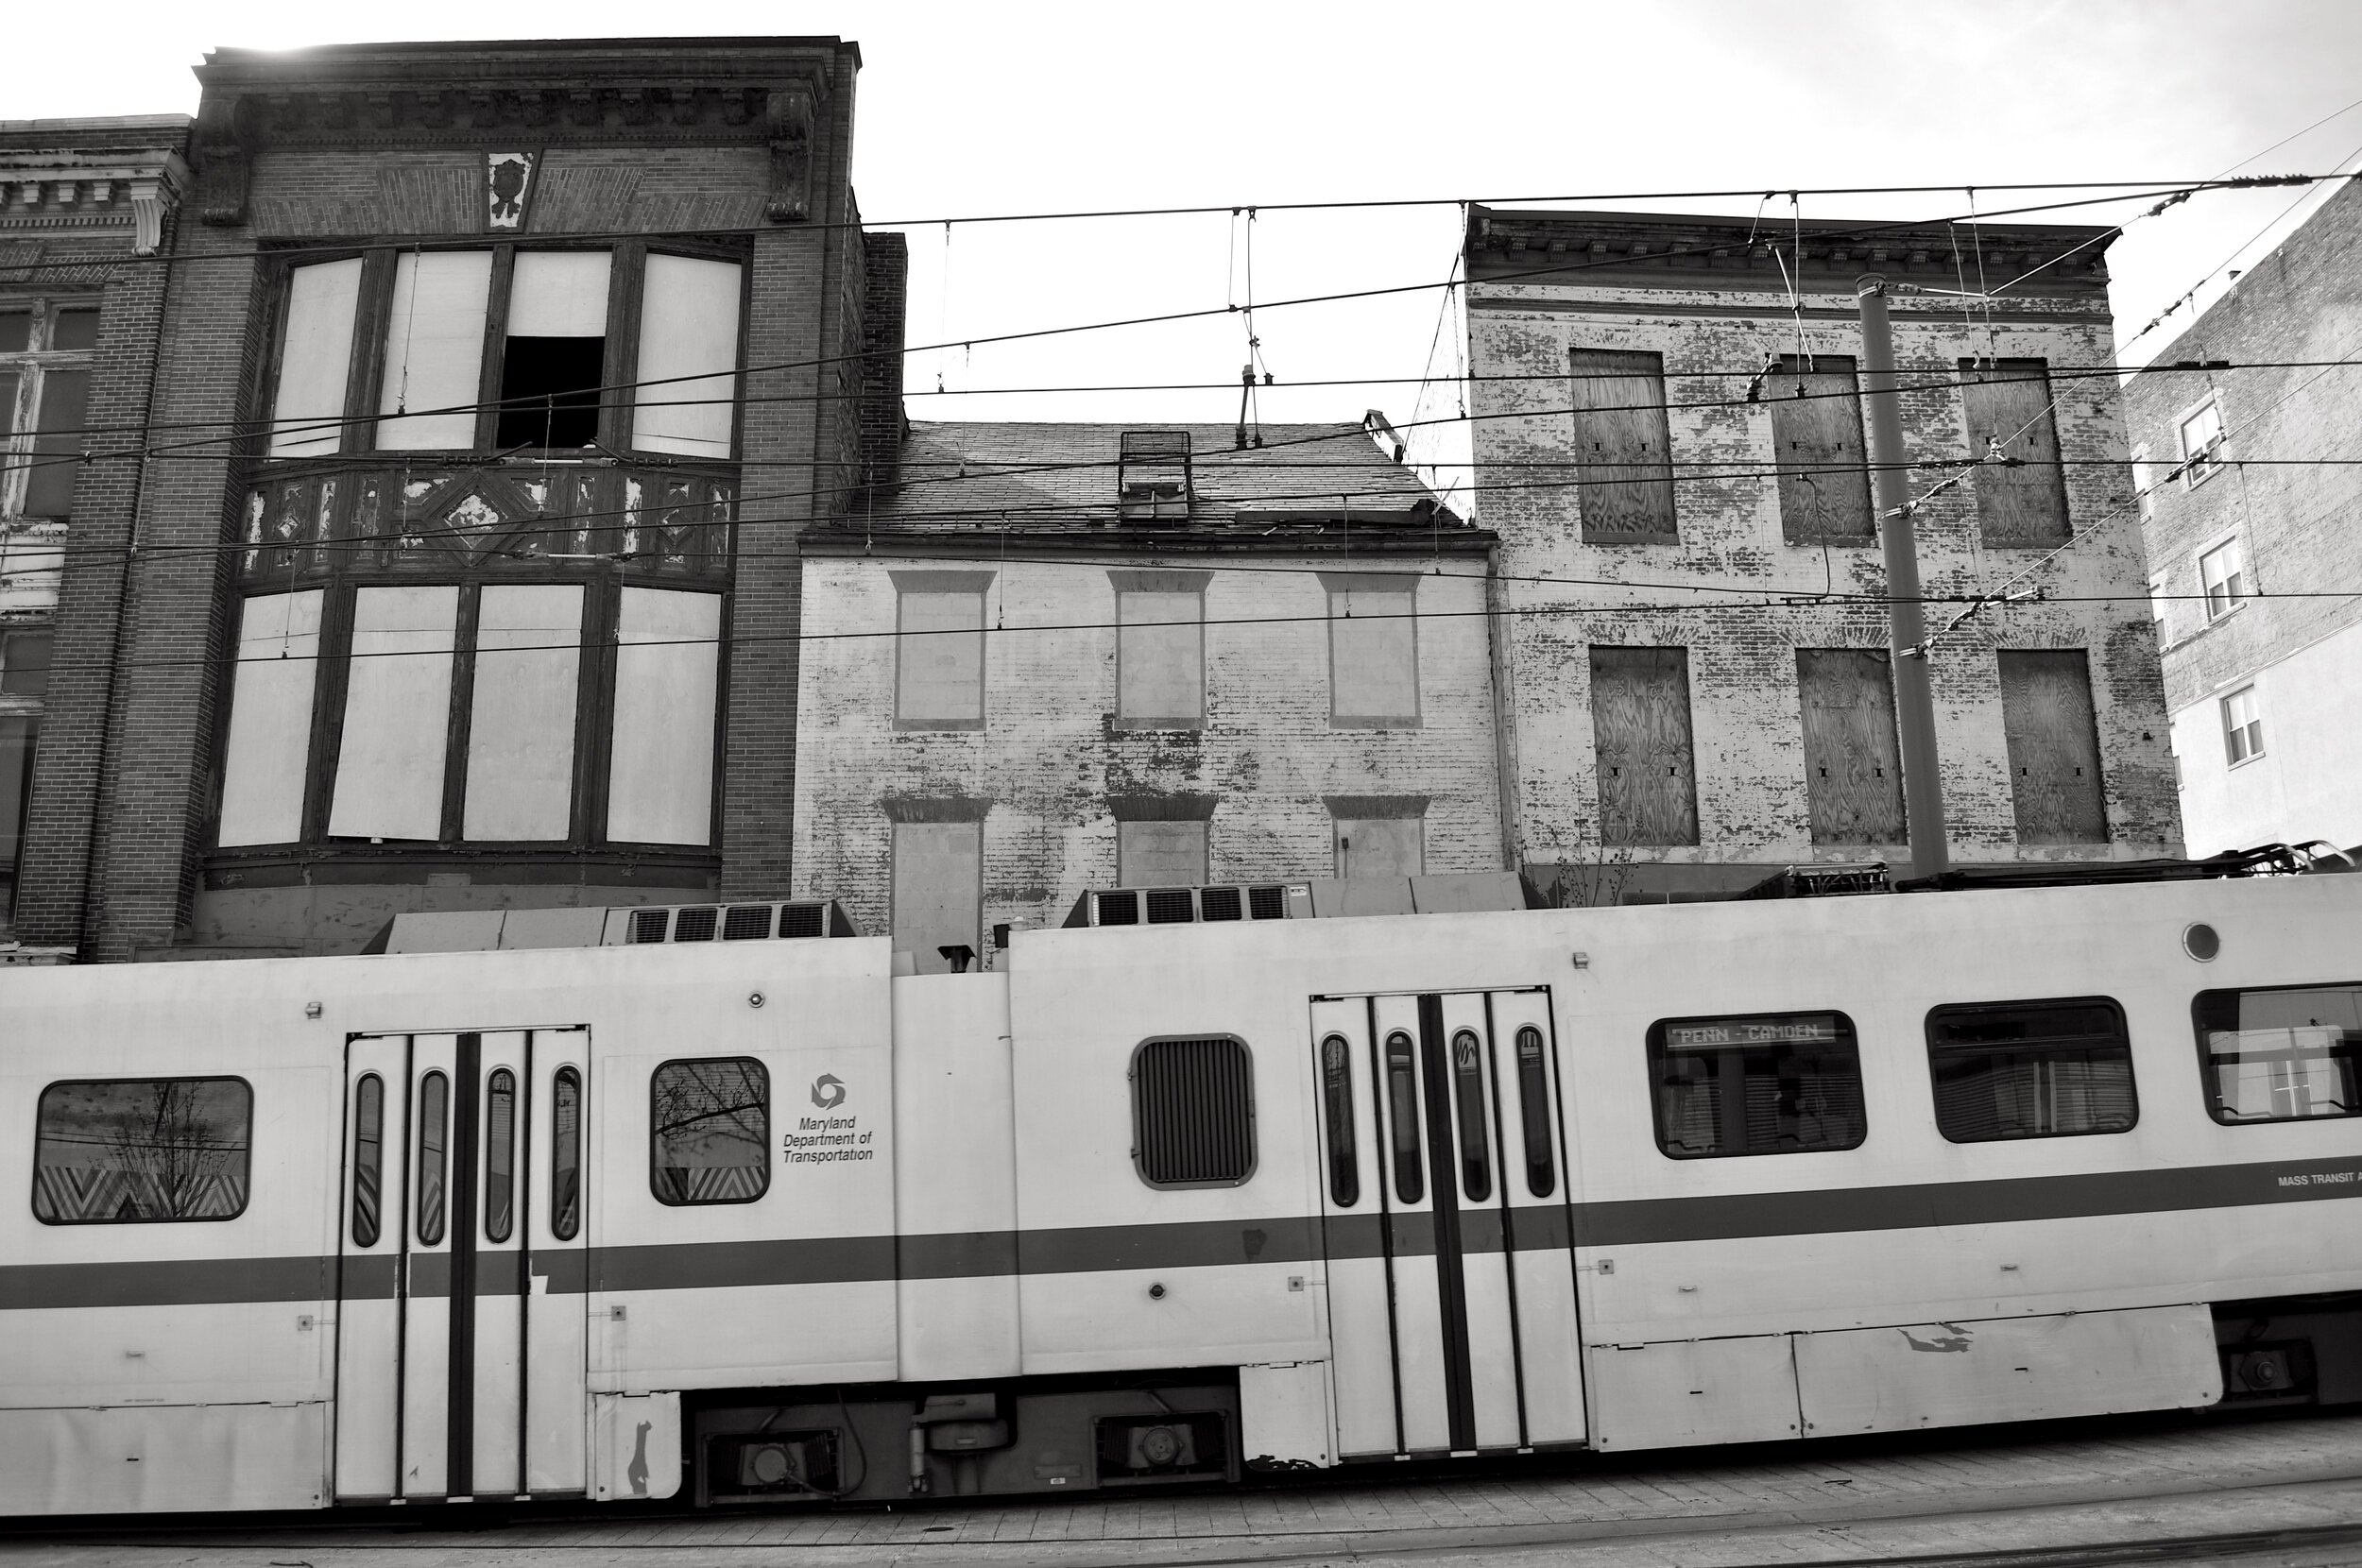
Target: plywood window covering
[(667, 676), (1817, 437), (2222, 577), (1641, 735), (1193, 1111), (270, 719), (1373, 649), (2007, 402), (315, 359), (939, 889), (1623, 447), (521, 726), (2053, 745), (433, 350), (1853, 765), (939, 650), (397, 714), (1380, 846), (1160, 658), (1160, 854), (2242, 727), (688, 329)]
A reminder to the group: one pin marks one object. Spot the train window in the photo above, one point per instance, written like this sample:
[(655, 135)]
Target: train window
[(2031, 1069), (1193, 1111), (2283, 1053), (1475, 1153), (1402, 1117), (368, 1158), (1534, 1102), (1345, 1168), (709, 1131), (434, 1111), (139, 1149), (500, 1155), (566, 1155), (1774, 1084)]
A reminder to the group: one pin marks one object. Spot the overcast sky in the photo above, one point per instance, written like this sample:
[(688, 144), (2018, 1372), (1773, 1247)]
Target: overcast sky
[(972, 110)]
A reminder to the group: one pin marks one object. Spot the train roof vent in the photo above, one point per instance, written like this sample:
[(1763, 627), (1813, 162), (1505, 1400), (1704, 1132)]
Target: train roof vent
[(651, 925), (746, 922), (1172, 906), (1219, 904), (694, 925), (1117, 909), (803, 919)]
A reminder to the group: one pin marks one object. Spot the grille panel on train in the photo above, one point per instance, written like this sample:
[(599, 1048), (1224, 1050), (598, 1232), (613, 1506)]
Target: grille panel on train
[(1182, 906)]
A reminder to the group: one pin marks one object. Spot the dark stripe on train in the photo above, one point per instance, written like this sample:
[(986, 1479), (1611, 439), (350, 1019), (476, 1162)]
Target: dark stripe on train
[(1195, 1244)]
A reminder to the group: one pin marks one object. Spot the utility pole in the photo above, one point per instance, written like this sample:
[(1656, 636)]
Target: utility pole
[(1907, 624)]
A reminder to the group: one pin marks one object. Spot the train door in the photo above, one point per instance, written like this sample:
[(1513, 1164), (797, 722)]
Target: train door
[(461, 1361), (1445, 1220)]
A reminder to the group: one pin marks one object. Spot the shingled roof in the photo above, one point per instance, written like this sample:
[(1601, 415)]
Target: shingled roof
[(1049, 473)]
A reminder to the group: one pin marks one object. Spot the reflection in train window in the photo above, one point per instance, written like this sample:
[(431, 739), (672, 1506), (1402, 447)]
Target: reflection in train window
[(500, 1155), (139, 1149), (369, 1157), (1193, 1111), (2279, 1054), (433, 1109), (1534, 1102), (1476, 1154), (2031, 1069), (566, 1155), (1403, 1115), (1344, 1170), (709, 1133), (1774, 1084)]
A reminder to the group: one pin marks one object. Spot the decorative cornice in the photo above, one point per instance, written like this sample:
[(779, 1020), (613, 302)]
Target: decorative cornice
[(100, 191)]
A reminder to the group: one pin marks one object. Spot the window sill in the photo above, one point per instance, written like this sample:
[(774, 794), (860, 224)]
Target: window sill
[(923, 726), (2251, 758), (1136, 725), (1343, 721)]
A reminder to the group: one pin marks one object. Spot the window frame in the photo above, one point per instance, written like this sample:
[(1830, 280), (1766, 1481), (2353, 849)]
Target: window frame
[(2233, 738), (2144, 481), (976, 584), (2201, 464), (20, 423), (1251, 1131), (1657, 1051), (1350, 585), (1174, 584), (2206, 1064), (763, 1141), (246, 1195), (2238, 595), (2123, 1038)]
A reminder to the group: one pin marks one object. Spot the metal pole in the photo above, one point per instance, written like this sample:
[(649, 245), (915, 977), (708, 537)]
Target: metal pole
[(1906, 626)]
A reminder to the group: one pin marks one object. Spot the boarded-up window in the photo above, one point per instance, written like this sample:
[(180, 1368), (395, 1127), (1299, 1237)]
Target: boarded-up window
[(1853, 769), (939, 656), (1815, 427), (688, 329), (937, 871), (1160, 655), (1373, 649), (667, 660), (270, 719), (1381, 845), (397, 727), (1193, 1113), (433, 350), (2022, 499), (1160, 854), (2054, 746), (1622, 446), (1641, 732), (521, 730), (315, 359)]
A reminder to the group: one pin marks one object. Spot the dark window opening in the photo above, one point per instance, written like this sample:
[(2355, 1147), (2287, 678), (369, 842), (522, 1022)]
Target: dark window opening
[(1403, 1115), (2281, 1054), (549, 391), (368, 1158), (1345, 1169), (1193, 1113), (2030, 1070), (500, 1156), (74, 330), (434, 1106), (1533, 1104), (566, 1155), (1475, 1153), (1779, 1083), (128, 1152), (709, 1131)]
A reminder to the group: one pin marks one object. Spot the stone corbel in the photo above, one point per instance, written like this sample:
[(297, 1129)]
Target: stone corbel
[(152, 197), (224, 131), (787, 116)]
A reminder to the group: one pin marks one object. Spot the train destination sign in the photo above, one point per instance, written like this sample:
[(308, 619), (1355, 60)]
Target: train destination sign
[(1793, 1029)]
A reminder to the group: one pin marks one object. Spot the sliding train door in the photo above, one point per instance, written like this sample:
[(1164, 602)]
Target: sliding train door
[(460, 1348), (1446, 1222)]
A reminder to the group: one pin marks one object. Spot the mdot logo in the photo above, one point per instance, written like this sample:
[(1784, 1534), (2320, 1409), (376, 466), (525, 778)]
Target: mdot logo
[(827, 1091), (827, 1139)]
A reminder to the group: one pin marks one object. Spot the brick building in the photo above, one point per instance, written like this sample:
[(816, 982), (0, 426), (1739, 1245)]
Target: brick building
[(2251, 474), (463, 578), (1630, 470), (86, 206), (1065, 656)]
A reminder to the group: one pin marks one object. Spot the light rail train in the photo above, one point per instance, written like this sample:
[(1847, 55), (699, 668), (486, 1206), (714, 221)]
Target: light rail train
[(764, 1221)]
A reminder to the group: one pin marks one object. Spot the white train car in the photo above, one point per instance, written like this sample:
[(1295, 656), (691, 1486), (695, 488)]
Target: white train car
[(764, 1221)]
